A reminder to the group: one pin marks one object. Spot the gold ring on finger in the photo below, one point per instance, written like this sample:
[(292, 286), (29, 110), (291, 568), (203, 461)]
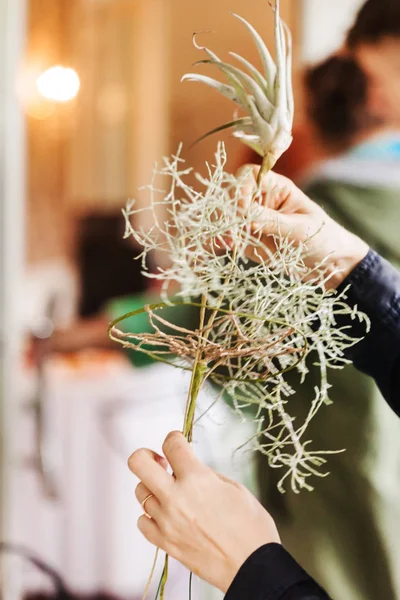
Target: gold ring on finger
[(146, 514)]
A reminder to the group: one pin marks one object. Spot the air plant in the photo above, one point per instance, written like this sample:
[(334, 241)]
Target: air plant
[(266, 97)]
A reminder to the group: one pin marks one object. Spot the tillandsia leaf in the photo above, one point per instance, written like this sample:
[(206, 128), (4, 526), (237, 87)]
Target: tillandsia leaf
[(235, 83), (236, 123), (268, 99), (289, 82), (254, 72), (265, 55), (264, 106), (280, 49), (209, 52), (252, 141), (265, 130), (226, 90)]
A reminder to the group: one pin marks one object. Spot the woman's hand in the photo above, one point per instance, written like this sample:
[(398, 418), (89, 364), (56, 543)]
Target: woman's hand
[(289, 212), (209, 523)]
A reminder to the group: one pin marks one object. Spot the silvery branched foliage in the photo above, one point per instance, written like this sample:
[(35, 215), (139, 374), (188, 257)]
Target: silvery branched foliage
[(266, 96), (259, 317)]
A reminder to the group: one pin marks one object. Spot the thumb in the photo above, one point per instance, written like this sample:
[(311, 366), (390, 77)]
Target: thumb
[(180, 455), (272, 191), (247, 175)]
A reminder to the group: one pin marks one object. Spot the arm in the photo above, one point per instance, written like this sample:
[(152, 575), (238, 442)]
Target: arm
[(271, 573), (375, 289), (85, 333)]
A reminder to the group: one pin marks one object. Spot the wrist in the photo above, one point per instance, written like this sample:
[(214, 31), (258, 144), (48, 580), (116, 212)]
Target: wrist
[(228, 575), (352, 251)]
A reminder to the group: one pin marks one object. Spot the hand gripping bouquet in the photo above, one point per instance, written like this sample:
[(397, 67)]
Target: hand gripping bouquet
[(255, 319)]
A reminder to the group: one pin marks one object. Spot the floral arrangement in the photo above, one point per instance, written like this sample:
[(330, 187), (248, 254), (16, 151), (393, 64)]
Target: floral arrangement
[(260, 310)]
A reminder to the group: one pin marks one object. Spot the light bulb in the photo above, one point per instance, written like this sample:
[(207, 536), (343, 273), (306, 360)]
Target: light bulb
[(59, 84)]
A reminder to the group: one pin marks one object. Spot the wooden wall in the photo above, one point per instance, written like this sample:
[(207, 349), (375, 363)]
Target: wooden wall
[(47, 135)]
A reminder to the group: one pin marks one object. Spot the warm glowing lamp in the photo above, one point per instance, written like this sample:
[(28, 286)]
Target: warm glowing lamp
[(59, 84)]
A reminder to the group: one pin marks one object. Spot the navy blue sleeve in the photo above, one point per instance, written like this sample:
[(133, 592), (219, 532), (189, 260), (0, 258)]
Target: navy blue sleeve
[(271, 573), (375, 290)]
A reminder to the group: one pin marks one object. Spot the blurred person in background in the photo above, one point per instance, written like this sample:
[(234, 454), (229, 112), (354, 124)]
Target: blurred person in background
[(346, 156), (106, 264), (107, 272)]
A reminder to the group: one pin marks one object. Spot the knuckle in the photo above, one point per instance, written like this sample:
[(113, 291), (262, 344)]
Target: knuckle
[(168, 531), (199, 479)]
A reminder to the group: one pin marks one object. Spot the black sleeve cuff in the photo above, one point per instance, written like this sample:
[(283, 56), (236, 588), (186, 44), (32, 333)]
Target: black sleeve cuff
[(268, 574), (374, 288)]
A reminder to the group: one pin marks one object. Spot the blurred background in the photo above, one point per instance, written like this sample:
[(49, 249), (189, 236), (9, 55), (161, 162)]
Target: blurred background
[(90, 98)]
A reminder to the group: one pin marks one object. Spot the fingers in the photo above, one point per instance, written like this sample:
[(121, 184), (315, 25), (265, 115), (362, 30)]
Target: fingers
[(271, 225), (180, 455), (151, 532), (150, 468), (275, 188), (248, 176), (151, 505)]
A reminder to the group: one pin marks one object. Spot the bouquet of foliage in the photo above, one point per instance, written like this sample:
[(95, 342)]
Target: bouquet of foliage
[(260, 310)]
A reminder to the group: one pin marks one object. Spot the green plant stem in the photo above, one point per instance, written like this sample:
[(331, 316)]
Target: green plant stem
[(198, 372), (164, 578), (158, 590), (198, 380)]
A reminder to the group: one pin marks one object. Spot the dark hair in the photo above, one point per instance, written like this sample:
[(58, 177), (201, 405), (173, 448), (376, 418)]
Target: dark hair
[(377, 19), (106, 264), (338, 90)]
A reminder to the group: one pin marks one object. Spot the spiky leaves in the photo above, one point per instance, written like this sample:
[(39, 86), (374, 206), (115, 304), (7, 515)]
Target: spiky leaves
[(266, 96)]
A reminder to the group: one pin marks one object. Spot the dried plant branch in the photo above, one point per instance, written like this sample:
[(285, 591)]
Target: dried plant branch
[(257, 320)]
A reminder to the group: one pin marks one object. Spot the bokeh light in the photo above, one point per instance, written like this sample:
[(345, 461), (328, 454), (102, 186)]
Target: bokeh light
[(59, 84)]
